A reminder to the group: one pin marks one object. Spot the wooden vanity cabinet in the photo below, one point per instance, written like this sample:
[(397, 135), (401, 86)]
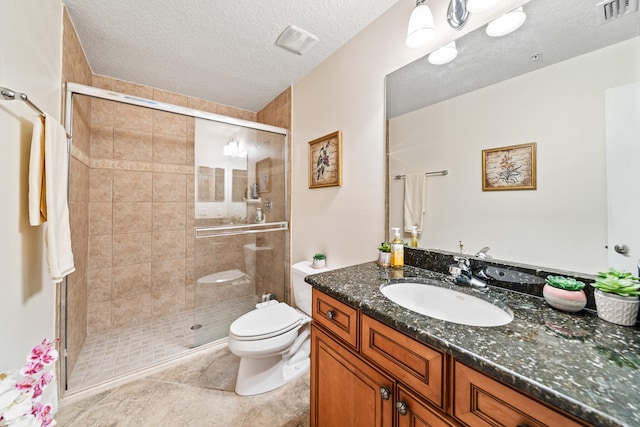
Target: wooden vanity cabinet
[(364, 373)]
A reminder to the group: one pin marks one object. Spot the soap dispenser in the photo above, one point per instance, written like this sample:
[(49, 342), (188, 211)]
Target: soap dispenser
[(397, 250), (414, 237)]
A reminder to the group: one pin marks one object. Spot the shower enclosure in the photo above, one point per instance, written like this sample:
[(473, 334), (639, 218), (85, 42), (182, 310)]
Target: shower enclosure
[(179, 226)]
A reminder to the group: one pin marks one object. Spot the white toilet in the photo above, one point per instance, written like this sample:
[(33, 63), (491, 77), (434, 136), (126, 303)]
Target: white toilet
[(273, 342)]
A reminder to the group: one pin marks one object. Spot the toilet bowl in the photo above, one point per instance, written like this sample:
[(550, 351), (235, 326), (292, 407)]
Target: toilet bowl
[(273, 342)]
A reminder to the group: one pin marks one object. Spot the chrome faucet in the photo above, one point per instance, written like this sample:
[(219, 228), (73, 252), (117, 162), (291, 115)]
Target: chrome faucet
[(462, 273), (482, 253)]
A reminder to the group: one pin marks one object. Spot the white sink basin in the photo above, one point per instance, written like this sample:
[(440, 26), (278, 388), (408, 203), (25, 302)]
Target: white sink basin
[(446, 304)]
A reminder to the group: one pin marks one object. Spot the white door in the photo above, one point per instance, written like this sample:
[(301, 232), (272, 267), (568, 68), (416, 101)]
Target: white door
[(623, 176)]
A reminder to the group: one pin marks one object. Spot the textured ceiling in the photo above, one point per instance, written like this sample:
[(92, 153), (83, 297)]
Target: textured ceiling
[(554, 29), (219, 50)]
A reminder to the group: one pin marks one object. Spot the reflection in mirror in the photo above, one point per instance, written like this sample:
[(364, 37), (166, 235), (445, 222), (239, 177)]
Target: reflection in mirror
[(215, 166), (545, 83), (238, 171), (210, 186), (239, 185)]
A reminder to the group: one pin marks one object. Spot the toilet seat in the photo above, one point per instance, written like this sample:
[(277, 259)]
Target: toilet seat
[(266, 322)]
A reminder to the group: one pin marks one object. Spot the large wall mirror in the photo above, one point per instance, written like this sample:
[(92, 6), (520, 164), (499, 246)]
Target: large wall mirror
[(545, 83)]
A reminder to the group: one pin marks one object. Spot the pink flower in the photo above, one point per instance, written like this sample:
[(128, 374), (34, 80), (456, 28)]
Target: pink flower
[(31, 368), (26, 384), (44, 353), (44, 415)]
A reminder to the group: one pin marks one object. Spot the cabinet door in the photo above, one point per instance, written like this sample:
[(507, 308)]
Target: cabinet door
[(412, 411), (345, 391), (482, 401)]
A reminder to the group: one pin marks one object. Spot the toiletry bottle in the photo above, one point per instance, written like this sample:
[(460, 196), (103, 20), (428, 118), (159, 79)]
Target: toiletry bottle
[(397, 250), (414, 237)]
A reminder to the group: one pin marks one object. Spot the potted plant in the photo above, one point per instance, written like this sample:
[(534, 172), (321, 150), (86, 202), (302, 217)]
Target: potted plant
[(384, 254), (319, 261), (564, 293), (616, 297)]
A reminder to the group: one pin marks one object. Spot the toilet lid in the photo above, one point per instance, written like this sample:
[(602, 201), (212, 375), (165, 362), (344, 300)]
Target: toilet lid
[(270, 320)]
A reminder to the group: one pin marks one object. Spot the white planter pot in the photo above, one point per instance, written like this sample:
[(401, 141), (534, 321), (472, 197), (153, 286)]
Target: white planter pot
[(319, 263), (617, 309), (384, 259)]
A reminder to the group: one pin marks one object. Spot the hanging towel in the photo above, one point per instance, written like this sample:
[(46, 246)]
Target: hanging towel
[(37, 186), (58, 233), (414, 200)]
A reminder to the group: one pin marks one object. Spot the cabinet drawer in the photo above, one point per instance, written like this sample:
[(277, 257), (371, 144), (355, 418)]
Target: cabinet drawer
[(483, 401), (335, 316), (414, 364)]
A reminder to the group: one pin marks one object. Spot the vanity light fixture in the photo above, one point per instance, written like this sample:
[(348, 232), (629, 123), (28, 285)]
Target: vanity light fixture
[(444, 55), (479, 6), (421, 28), (457, 14), (507, 23)]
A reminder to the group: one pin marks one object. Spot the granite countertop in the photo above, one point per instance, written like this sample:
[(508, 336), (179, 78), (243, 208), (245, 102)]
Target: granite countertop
[(574, 361)]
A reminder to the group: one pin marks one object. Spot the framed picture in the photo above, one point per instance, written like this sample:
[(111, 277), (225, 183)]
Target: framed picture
[(263, 175), (325, 161), (509, 168)]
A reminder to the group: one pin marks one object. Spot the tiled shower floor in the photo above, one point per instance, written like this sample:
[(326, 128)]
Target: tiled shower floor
[(127, 350)]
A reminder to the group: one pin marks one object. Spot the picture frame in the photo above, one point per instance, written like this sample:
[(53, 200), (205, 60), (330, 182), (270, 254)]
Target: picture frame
[(325, 161), (263, 175), (509, 168)]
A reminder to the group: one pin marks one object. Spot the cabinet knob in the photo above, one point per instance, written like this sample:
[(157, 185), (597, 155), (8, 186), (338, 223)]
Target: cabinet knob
[(331, 314), (402, 407), (385, 393), (522, 425)]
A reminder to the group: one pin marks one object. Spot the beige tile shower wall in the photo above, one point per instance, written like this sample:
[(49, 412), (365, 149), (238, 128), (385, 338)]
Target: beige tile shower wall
[(76, 69), (141, 250)]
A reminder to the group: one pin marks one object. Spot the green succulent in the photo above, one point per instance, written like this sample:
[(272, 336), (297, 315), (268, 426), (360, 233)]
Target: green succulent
[(566, 283), (618, 282), (319, 256), (384, 247)]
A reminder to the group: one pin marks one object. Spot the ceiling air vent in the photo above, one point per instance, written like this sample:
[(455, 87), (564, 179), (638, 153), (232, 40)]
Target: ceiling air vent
[(609, 10), (297, 40)]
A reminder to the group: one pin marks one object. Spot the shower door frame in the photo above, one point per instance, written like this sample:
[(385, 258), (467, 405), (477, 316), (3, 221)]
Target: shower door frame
[(90, 91)]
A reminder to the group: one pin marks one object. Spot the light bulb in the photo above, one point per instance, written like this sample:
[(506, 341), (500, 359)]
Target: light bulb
[(507, 23)]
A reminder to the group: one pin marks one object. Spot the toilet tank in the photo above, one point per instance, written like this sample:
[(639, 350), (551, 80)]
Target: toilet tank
[(301, 289)]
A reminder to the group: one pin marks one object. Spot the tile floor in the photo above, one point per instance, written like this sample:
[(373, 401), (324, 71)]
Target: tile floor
[(197, 393), (123, 351)]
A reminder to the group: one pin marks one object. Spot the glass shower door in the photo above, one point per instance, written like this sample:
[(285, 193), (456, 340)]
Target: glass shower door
[(240, 228)]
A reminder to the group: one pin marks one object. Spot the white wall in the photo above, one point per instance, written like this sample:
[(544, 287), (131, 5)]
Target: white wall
[(562, 224), (30, 62), (346, 92)]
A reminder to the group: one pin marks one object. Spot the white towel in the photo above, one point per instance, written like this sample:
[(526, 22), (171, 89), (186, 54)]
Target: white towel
[(37, 191), (58, 233), (414, 200)]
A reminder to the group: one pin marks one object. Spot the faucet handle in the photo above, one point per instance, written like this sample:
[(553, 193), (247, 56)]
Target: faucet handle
[(463, 262)]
